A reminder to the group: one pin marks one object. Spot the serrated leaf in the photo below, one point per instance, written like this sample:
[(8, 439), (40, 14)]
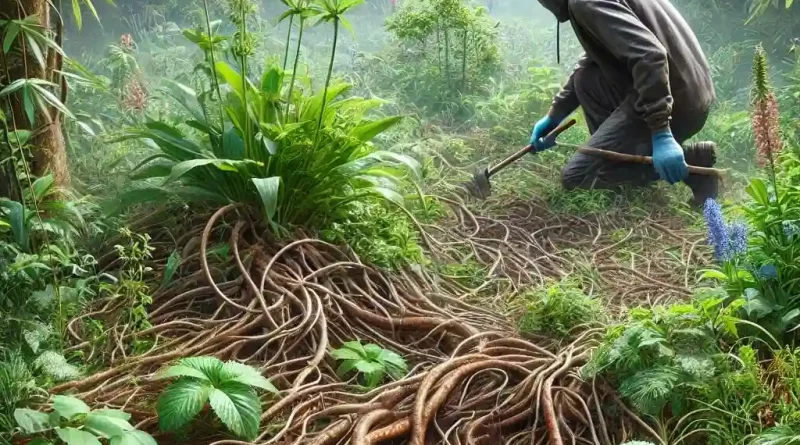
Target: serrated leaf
[(182, 371), (356, 346), (181, 402), (31, 421), (239, 372), (210, 366), (238, 407), (68, 406), (107, 426), (368, 367), (135, 437), (74, 436)]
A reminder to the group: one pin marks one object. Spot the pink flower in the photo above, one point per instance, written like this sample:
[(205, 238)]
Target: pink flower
[(766, 128)]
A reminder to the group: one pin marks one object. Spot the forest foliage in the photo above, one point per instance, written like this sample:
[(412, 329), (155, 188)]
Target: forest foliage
[(231, 111)]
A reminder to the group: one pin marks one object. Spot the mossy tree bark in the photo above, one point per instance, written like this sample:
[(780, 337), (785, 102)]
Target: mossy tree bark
[(48, 146)]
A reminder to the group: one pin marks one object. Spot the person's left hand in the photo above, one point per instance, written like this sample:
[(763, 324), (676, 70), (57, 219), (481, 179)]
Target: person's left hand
[(668, 158)]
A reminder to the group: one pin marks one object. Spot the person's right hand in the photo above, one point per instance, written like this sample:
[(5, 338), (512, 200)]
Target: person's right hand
[(542, 129)]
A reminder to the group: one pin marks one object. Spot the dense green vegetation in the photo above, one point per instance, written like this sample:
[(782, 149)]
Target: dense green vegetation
[(229, 220)]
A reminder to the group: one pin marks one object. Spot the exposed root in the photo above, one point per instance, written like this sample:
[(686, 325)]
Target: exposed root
[(284, 307)]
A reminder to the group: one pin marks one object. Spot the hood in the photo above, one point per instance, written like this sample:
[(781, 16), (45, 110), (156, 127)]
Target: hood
[(559, 8)]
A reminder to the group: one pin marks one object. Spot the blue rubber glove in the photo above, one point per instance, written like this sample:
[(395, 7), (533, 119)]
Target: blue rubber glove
[(542, 129), (668, 157)]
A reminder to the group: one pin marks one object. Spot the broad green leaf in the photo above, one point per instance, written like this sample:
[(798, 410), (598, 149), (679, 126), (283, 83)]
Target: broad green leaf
[(268, 189), (181, 402), (17, 217), (232, 145), (231, 77), (393, 359), (356, 346), (68, 406), (789, 3), (390, 195), (713, 274), (159, 169), (134, 437), (373, 351), (173, 262), (19, 138), (758, 191), (106, 426), (346, 367), (12, 31), (368, 367), (345, 354), (182, 371), (790, 316), (238, 407), (239, 372), (42, 185), (113, 413), (272, 81), (184, 167), (74, 436), (31, 421)]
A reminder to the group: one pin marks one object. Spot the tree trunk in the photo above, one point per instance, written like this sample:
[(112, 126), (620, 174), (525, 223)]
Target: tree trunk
[(48, 145)]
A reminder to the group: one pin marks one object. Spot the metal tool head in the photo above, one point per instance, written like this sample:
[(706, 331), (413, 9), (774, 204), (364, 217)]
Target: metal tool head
[(479, 186)]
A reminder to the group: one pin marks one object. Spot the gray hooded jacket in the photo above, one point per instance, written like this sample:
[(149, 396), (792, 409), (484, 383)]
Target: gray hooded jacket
[(646, 48)]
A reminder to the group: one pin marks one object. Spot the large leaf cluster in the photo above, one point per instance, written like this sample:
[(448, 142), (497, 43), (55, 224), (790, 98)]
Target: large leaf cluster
[(228, 387), (270, 152), (74, 423)]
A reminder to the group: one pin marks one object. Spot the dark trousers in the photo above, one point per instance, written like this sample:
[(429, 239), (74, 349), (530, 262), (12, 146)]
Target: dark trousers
[(614, 126)]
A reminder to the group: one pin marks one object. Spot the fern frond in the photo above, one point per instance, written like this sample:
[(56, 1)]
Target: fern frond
[(648, 390)]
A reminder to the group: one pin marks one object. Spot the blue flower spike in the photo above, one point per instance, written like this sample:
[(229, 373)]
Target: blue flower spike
[(718, 236)]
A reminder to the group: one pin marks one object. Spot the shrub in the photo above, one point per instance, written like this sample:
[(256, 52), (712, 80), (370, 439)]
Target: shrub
[(557, 309)]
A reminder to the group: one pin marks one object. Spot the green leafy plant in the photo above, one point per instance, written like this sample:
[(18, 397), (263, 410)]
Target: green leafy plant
[(660, 357), (130, 289), (371, 362), (557, 309), (293, 166), (228, 387), (379, 236), (72, 422)]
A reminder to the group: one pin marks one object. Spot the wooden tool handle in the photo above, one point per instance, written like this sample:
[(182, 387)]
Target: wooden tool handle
[(621, 157), (550, 137)]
